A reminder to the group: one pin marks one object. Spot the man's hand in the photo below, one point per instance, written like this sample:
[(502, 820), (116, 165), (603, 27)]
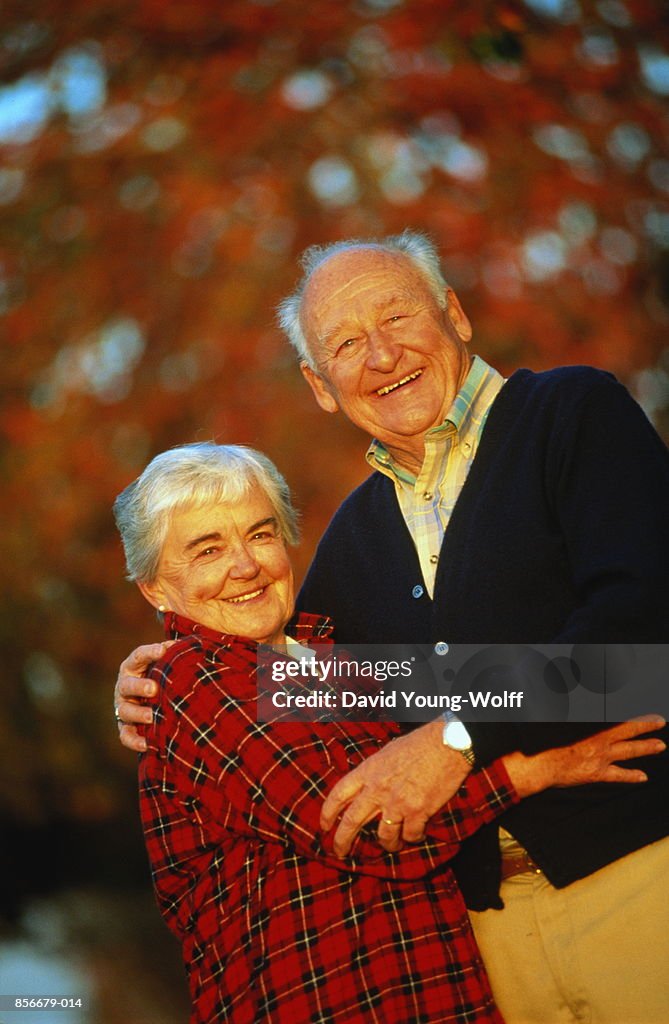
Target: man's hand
[(405, 783), (131, 688)]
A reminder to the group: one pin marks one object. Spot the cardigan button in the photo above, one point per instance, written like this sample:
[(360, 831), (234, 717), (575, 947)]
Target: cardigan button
[(441, 647), (417, 591)]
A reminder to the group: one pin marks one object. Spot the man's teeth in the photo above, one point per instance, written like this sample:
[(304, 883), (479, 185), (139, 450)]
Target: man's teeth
[(244, 597), (399, 383)]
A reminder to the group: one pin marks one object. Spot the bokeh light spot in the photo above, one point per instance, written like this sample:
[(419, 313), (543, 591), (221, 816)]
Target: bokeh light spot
[(655, 70), (628, 143), (577, 222), (12, 180), (333, 181), (164, 134), (544, 255), (306, 90)]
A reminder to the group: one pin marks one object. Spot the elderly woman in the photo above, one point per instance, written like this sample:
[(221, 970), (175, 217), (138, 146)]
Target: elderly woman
[(273, 926)]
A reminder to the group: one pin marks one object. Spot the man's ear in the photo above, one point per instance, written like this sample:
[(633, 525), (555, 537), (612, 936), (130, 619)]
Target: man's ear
[(458, 317), (320, 389), (153, 594)]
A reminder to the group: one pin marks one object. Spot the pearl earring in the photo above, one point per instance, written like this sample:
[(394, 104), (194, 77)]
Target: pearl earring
[(162, 608)]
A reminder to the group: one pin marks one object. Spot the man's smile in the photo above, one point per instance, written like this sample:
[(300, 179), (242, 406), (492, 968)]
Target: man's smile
[(388, 388)]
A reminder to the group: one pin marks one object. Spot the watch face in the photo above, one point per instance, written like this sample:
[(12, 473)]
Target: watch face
[(456, 736)]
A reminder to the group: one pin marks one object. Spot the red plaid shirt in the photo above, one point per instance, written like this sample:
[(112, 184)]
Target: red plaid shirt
[(273, 926)]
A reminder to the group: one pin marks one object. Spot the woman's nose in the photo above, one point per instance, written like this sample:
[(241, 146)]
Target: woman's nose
[(243, 566)]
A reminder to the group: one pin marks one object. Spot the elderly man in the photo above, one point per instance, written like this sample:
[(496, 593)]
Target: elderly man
[(528, 510)]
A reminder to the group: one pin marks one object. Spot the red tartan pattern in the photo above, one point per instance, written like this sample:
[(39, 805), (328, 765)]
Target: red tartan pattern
[(274, 928)]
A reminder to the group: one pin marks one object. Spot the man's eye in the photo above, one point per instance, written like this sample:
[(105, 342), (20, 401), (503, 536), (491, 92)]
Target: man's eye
[(395, 317), (263, 535), (207, 551), (347, 345)]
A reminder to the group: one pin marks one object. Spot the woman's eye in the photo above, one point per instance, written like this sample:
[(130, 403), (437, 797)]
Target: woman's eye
[(397, 316), (263, 535), (206, 551)]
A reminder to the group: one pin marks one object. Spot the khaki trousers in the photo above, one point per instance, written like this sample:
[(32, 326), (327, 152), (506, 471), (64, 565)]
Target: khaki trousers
[(596, 952)]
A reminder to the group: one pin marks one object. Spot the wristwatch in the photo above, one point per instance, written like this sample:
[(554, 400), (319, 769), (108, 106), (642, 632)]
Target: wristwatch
[(456, 737)]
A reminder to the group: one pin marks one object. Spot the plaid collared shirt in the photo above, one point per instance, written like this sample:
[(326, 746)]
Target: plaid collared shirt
[(427, 501), (273, 926)]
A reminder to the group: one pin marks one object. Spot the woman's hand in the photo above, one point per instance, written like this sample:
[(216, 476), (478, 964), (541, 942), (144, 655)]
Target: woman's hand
[(590, 760), (131, 692)]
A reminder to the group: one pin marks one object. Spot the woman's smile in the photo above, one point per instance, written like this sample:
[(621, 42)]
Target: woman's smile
[(226, 566)]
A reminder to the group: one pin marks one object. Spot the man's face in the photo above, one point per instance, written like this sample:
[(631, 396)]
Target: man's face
[(387, 354)]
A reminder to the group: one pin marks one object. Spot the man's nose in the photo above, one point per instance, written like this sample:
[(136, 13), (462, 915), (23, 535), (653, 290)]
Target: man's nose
[(382, 353)]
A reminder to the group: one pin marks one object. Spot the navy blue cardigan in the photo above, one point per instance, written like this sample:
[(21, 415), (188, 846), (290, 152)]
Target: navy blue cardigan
[(560, 535)]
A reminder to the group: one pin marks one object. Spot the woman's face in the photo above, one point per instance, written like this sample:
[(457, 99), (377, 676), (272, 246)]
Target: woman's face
[(226, 567)]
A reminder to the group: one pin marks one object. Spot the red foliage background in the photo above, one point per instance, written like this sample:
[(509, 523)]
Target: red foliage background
[(154, 202)]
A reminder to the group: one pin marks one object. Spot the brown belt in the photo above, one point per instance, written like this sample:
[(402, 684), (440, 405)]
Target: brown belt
[(519, 863)]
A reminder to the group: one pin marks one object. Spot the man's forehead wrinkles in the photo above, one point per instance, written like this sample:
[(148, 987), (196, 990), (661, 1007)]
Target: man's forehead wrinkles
[(346, 290), (352, 318), (375, 300), (349, 289)]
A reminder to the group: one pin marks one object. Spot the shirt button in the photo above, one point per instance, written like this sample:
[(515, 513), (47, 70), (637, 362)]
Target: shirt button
[(467, 446), (417, 591), (434, 559), (441, 648), (428, 496)]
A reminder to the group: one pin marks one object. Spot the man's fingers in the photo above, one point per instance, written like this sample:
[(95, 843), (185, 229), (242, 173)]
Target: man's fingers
[(413, 830), (140, 659), (130, 691), (354, 817), (131, 687), (131, 739), (130, 713), (339, 796), (131, 683), (142, 656), (390, 833)]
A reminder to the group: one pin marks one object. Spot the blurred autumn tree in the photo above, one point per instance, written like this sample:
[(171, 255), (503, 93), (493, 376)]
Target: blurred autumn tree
[(163, 163)]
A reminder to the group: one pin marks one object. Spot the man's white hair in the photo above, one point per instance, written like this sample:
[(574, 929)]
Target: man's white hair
[(418, 248)]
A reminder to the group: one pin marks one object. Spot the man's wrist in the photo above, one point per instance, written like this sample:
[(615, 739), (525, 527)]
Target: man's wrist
[(456, 736)]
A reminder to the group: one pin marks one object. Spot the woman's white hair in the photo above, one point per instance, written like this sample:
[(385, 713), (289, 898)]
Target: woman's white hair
[(193, 475), (418, 248)]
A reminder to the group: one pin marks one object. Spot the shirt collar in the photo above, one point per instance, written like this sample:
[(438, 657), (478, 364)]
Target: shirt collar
[(303, 627), (480, 387)]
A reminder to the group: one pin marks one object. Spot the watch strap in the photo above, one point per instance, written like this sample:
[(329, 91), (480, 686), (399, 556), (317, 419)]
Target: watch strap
[(468, 751)]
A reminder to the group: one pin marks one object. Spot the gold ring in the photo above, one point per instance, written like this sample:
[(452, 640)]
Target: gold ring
[(389, 821)]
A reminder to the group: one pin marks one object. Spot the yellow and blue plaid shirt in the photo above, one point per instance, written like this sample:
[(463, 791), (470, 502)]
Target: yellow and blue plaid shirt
[(427, 500)]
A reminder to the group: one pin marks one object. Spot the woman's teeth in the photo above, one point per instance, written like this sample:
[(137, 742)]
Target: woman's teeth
[(244, 597)]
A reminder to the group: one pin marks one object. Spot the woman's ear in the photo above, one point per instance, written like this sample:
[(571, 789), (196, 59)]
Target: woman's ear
[(154, 595)]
